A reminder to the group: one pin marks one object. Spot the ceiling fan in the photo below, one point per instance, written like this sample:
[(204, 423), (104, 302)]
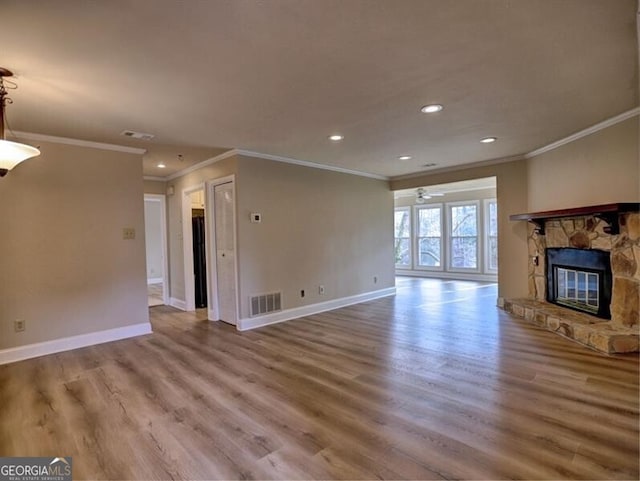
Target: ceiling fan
[(422, 195)]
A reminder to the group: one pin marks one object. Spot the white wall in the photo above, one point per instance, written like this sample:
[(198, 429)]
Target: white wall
[(65, 267)]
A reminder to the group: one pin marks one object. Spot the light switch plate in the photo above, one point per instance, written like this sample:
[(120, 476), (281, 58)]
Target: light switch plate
[(128, 233), (256, 217)]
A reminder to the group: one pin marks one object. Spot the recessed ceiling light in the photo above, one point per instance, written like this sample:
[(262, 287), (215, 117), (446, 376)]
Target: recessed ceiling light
[(404, 157), (488, 140), (431, 108), (161, 165), (336, 137)]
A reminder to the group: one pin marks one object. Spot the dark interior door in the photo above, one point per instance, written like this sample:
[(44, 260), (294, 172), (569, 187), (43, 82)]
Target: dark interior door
[(199, 261)]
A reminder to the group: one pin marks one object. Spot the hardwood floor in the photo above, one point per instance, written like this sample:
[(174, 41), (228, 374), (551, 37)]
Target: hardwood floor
[(435, 383)]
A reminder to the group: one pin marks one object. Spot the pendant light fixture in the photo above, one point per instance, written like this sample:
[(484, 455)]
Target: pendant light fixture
[(11, 153)]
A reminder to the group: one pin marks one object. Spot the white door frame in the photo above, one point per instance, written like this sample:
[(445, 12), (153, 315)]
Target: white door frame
[(187, 245), (212, 266), (162, 199)]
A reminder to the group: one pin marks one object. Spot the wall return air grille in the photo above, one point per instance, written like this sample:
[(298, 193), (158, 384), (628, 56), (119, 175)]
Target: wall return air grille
[(265, 303)]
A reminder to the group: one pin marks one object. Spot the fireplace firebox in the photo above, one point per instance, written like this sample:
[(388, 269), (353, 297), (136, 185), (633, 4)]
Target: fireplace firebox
[(580, 279)]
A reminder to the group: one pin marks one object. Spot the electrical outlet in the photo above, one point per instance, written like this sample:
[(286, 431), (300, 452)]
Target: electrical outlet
[(19, 325), (128, 233), (321, 290)]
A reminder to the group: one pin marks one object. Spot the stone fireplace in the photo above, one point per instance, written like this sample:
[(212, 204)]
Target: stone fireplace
[(584, 275)]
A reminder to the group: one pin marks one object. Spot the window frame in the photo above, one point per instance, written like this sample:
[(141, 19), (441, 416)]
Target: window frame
[(486, 234), (417, 237), (451, 237), (408, 266)]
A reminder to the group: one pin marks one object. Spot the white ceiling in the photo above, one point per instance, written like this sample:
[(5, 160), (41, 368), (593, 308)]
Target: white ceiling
[(279, 76)]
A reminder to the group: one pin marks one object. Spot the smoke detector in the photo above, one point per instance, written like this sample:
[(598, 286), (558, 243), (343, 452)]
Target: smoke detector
[(137, 135)]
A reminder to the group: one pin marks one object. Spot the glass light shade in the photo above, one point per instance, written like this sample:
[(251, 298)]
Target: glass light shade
[(12, 153)]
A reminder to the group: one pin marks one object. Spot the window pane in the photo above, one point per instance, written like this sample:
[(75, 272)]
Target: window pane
[(464, 220), (571, 284), (401, 224), (429, 222), (464, 252), (430, 252), (402, 251), (493, 252), (493, 219)]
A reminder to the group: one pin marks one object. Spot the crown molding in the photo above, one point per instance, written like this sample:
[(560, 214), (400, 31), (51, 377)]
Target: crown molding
[(154, 178), (276, 158), (200, 165), (583, 133), (306, 163), (78, 143), (453, 168)]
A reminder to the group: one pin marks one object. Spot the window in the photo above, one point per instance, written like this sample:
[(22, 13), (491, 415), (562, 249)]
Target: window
[(429, 236), (402, 241), (456, 239), (463, 238), (491, 231)]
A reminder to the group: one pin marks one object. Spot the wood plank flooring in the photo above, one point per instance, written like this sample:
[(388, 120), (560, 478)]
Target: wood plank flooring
[(435, 383)]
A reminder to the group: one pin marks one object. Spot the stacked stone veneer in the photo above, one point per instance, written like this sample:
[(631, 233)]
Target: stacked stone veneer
[(620, 334)]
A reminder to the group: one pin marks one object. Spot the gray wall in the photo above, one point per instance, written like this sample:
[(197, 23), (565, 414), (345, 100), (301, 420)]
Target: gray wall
[(598, 169), (318, 227), (65, 267), (155, 187)]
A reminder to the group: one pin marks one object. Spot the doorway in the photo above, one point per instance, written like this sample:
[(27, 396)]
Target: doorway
[(156, 249), (448, 231), (194, 235), (199, 256)]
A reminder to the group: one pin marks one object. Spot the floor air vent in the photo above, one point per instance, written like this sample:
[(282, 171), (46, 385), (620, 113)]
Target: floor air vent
[(265, 303)]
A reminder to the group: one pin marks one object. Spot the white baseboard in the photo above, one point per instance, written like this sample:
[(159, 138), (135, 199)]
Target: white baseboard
[(178, 303), (29, 351), (155, 280), (296, 312), (463, 276)]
